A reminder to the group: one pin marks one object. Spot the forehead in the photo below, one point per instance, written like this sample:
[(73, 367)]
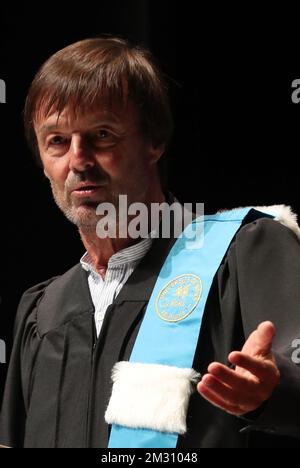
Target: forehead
[(69, 118)]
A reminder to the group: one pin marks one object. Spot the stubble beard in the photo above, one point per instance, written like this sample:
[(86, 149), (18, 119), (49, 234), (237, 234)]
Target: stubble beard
[(83, 216)]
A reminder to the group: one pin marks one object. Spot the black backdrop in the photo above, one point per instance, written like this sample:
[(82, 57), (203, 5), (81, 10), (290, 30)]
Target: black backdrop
[(237, 130)]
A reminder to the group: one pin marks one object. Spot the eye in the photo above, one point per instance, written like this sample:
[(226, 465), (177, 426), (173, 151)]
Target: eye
[(103, 138), (57, 145), (102, 133), (57, 140)]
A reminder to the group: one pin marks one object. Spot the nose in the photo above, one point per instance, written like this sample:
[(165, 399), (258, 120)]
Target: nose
[(81, 154)]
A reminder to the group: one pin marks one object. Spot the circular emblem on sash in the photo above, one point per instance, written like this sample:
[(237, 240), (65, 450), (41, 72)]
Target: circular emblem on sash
[(179, 298)]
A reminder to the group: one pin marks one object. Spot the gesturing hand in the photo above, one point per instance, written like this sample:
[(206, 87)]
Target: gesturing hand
[(243, 389)]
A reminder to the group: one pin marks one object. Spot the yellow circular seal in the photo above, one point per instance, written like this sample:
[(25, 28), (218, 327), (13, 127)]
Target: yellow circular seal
[(179, 298)]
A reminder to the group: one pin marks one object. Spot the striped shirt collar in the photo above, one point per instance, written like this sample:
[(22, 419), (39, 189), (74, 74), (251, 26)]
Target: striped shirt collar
[(129, 255)]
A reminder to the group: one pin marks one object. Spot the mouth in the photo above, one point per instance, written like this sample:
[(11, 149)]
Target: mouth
[(87, 190)]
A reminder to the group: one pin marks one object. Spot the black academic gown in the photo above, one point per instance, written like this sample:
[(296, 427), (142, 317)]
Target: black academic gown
[(59, 384)]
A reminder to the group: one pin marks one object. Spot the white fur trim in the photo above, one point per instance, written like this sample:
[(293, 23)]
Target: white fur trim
[(284, 214), (150, 396)]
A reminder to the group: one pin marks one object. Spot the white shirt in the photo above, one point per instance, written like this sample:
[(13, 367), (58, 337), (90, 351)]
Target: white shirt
[(119, 268)]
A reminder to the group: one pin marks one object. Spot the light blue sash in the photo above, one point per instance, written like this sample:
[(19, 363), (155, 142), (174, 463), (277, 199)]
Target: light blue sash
[(170, 329)]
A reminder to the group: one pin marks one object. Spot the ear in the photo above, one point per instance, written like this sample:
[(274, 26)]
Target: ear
[(46, 174), (156, 152)]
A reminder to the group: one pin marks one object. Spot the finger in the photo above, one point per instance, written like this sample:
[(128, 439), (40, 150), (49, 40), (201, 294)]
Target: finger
[(212, 398), (264, 370), (265, 335), (229, 395), (260, 341), (232, 378)]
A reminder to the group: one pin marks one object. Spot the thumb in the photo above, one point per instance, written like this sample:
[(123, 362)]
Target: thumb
[(260, 341)]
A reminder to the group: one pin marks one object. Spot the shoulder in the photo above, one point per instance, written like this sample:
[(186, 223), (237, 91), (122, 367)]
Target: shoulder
[(261, 230), (48, 291), (261, 273), (264, 245), (265, 253)]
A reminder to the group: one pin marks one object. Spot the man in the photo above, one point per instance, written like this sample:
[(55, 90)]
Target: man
[(100, 355)]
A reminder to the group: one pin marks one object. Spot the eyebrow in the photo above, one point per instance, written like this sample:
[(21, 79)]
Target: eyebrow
[(48, 128)]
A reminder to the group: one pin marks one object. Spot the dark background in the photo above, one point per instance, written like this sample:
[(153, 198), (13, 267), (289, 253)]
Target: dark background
[(237, 131)]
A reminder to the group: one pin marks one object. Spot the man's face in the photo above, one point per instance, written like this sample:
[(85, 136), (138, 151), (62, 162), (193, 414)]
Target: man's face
[(94, 158)]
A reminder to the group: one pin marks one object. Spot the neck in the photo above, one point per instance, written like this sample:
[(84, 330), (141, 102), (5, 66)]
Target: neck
[(100, 250)]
